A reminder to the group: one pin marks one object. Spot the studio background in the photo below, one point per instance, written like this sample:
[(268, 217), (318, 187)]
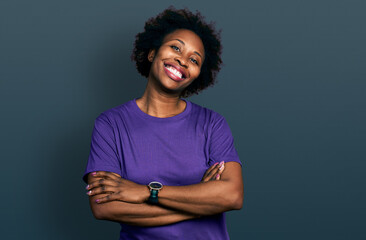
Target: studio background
[(292, 90)]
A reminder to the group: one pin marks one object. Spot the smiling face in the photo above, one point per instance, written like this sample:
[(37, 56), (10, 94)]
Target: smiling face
[(178, 61)]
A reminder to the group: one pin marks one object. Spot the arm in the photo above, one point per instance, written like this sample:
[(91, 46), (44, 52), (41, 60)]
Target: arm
[(134, 214), (210, 197), (205, 198), (141, 214)]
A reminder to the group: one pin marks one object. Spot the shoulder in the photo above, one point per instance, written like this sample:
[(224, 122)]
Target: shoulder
[(209, 119), (211, 115)]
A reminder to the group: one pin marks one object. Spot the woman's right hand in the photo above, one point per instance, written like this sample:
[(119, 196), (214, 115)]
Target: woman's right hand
[(213, 172)]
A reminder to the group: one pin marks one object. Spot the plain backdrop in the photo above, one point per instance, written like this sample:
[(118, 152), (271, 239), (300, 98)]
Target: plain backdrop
[(292, 90)]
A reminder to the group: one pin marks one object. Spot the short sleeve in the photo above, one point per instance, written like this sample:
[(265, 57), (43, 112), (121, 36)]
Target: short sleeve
[(103, 154), (222, 143)]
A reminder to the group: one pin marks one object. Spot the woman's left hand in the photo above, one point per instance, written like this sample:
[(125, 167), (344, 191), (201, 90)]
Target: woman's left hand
[(117, 188)]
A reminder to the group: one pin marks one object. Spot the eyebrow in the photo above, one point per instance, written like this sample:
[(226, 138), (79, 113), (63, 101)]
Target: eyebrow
[(185, 44)]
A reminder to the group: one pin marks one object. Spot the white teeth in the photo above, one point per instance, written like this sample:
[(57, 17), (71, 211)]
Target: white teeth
[(174, 71)]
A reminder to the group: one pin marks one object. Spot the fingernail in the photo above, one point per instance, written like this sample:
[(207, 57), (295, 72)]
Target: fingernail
[(89, 192), (87, 186), (221, 163), (222, 167), (216, 164), (97, 201), (217, 176)]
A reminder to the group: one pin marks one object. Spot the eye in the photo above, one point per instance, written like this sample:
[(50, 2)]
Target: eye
[(175, 48), (194, 61)]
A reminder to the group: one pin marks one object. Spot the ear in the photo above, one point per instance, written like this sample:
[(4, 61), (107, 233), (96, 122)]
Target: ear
[(151, 55)]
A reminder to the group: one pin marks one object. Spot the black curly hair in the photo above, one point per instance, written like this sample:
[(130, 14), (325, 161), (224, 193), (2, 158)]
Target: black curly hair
[(171, 19)]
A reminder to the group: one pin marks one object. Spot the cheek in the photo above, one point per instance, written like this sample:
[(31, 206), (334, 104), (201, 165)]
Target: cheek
[(166, 52), (195, 75), (155, 67), (197, 71)]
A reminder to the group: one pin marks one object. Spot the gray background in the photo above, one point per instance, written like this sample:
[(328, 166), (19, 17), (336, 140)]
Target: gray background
[(292, 89)]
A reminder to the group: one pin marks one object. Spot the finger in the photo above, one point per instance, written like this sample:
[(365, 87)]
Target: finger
[(212, 174), (108, 198), (216, 170), (95, 176), (220, 170), (101, 182), (101, 189), (209, 170), (105, 174)]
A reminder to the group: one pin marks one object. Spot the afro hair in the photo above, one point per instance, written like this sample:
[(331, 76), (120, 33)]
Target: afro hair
[(168, 21)]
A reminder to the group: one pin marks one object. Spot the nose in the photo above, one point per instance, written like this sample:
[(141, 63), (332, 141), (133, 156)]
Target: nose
[(182, 62)]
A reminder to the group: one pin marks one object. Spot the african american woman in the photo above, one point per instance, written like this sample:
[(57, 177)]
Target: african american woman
[(160, 165)]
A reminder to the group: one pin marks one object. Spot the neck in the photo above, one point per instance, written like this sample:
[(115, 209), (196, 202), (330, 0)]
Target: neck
[(160, 104)]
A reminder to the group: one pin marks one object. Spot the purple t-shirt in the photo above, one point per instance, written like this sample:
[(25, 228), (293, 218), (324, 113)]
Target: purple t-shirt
[(175, 151)]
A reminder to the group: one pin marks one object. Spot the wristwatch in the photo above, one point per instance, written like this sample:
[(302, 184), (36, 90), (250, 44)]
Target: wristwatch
[(154, 187)]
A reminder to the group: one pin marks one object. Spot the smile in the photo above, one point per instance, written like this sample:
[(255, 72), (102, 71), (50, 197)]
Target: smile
[(174, 73)]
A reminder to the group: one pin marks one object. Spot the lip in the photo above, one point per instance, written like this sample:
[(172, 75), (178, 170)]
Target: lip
[(178, 68)]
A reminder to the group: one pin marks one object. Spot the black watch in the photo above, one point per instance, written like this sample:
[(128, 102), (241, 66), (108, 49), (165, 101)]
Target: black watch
[(154, 187)]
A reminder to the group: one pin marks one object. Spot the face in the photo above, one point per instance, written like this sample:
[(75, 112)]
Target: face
[(178, 61)]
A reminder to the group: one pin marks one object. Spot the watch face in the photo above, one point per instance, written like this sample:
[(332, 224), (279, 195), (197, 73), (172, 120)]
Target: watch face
[(155, 185)]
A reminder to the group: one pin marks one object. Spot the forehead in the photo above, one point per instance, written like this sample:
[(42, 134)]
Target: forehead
[(190, 39)]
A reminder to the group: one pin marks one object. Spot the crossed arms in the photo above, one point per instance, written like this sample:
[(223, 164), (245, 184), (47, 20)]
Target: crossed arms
[(116, 199)]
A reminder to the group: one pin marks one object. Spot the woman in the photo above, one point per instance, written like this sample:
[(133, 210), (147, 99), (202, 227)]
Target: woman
[(162, 166)]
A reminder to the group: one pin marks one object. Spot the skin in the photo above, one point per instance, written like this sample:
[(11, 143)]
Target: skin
[(221, 188), (142, 214), (128, 191), (161, 96)]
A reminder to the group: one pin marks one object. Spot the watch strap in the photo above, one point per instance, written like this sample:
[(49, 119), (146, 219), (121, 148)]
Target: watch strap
[(153, 199)]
